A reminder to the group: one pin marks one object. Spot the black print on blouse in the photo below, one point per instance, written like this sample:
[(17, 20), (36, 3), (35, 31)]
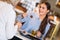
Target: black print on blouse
[(31, 16), (23, 23)]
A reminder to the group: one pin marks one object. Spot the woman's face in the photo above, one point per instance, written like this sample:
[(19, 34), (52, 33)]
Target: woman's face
[(43, 9)]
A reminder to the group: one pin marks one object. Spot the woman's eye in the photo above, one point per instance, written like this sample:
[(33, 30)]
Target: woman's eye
[(40, 6)]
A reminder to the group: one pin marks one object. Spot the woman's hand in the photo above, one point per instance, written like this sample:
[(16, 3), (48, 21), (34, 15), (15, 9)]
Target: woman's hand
[(47, 38), (38, 34), (19, 25), (24, 14), (51, 17)]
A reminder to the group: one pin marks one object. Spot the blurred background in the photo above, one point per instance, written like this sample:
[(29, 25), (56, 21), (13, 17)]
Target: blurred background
[(25, 5)]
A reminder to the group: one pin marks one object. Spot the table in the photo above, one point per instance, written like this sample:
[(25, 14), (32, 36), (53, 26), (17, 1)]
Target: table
[(25, 37)]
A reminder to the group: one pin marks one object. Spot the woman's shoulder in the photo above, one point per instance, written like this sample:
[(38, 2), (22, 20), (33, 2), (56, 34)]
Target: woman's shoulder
[(5, 4)]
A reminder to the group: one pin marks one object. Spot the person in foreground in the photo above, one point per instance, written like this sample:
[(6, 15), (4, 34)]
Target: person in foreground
[(7, 20)]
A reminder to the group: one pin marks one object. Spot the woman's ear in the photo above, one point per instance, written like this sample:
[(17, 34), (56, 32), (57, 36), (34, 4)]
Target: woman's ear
[(48, 11)]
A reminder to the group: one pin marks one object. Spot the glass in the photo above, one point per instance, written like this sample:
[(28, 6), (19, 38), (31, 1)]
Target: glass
[(33, 33)]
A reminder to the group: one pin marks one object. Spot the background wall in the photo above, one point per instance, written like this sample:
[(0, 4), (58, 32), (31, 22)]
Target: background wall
[(53, 6)]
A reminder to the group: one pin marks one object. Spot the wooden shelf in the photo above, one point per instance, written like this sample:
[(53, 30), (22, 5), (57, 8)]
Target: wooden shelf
[(21, 8)]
